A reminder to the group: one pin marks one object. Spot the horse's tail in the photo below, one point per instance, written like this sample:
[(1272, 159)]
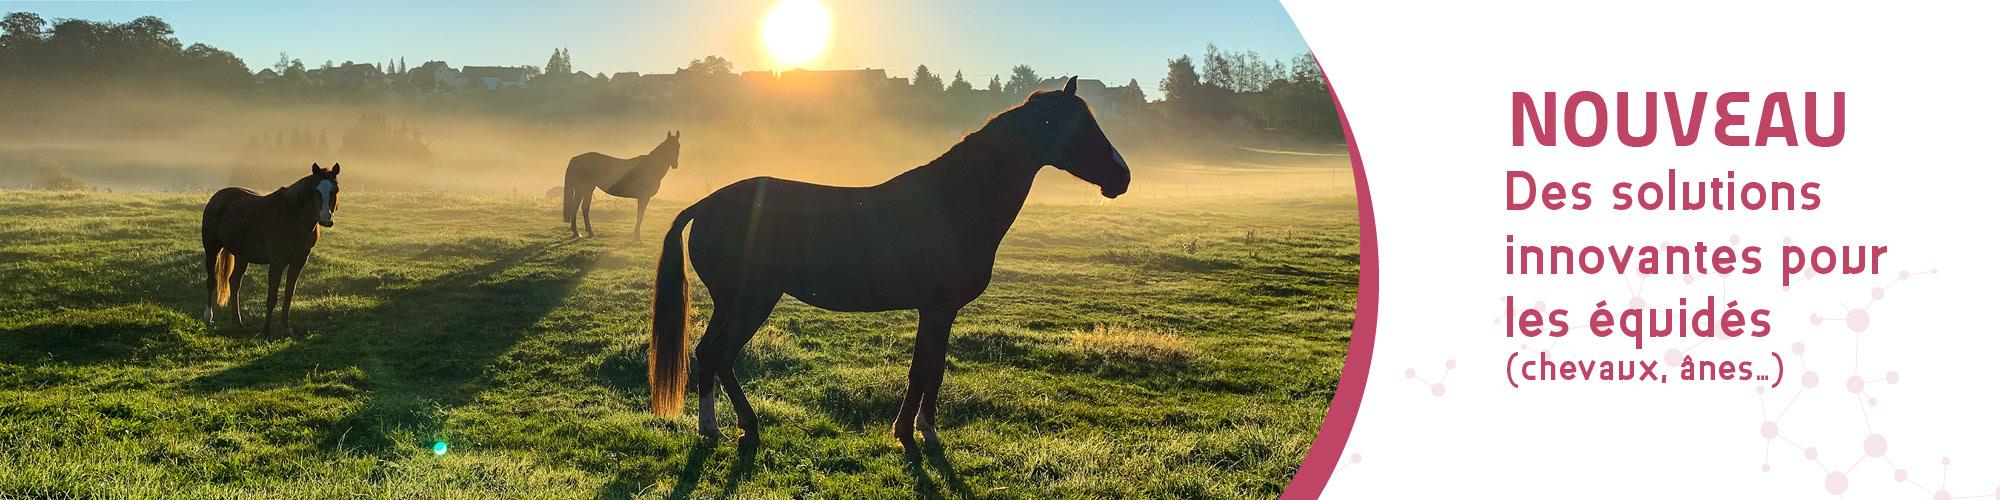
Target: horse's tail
[(225, 263), (667, 354), (570, 197)]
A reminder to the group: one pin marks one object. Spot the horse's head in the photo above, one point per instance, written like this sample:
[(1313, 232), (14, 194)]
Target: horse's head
[(1065, 134), (670, 150), (324, 190)]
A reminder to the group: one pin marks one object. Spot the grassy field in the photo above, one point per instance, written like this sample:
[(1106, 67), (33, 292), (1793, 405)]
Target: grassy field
[(1138, 348)]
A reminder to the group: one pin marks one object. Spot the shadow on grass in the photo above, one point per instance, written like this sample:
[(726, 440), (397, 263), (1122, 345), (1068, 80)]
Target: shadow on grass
[(934, 456), (422, 349), (92, 336)]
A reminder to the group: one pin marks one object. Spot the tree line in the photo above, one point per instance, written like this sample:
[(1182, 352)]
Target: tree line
[(1220, 92)]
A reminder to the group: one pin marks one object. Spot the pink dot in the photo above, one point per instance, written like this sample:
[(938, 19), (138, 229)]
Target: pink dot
[(1410, 373), (1638, 302), (1788, 240), (1814, 319), (1871, 401), (1857, 320), (1836, 483), (1875, 445), (1770, 429), (1903, 275), (1540, 306), (1735, 239), (1451, 364), (1902, 475), (1798, 348), (1524, 347), (1767, 467), (1760, 389), (1854, 385), (1893, 377), (1947, 460), (1355, 459), (1689, 279), (1812, 453), (1674, 356), (1877, 293), (1437, 390), (1941, 495), (1811, 380)]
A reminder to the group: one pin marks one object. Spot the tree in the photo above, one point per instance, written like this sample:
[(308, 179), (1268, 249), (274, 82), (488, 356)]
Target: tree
[(708, 66), (1305, 70), (994, 84), (1134, 83), (1182, 81), (559, 62), (926, 81), (1023, 80), (958, 83), (22, 29)]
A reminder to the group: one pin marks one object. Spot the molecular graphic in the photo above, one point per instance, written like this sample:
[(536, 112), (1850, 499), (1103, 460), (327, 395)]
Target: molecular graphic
[(1874, 444), (1437, 388)]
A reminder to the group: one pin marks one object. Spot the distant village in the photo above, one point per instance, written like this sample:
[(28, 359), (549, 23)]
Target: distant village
[(441, 78)]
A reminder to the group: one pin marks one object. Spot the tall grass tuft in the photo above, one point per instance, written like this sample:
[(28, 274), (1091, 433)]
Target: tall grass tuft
[(1131, 342)]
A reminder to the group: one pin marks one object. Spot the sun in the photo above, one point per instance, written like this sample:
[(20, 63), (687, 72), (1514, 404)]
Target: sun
[(795, 31)]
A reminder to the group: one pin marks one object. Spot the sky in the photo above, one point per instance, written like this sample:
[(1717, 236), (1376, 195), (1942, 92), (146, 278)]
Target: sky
[(1112, 41)]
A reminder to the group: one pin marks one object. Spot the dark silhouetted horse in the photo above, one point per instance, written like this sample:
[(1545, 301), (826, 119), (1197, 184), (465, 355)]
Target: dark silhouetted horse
[(240, 227), (923, 240), (637, 178)]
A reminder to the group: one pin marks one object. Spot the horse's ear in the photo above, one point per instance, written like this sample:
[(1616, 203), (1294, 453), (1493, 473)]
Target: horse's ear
[(1070, 87), (336, 169), (317, 170)]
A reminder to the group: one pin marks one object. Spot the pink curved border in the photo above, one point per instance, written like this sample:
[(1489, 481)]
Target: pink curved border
[(1333, 433)]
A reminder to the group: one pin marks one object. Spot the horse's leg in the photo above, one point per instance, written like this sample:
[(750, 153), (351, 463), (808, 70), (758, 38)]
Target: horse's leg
[(210, 253), (291, 289), (584, 207), (927, 409), (926, 370), (277, 274), (569, 204), (708, 357), (746, 318), (236, 289), (642, 216)]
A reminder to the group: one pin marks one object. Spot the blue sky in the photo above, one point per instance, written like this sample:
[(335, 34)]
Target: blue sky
[(1114, 41)]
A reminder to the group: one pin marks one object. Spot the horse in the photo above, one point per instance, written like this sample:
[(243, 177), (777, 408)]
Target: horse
[(637, 178), (924, 240), (240, 227)]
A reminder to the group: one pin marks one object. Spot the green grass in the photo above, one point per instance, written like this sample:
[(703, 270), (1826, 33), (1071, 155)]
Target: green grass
[(478, 321)]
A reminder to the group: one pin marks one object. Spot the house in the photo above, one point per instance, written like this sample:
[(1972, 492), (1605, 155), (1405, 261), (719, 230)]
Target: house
[(1106, 101), (496, 77), (265, 77), (347, 74), (436, 76)]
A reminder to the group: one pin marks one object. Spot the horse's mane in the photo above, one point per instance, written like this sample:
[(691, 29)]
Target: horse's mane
[(985, 141)]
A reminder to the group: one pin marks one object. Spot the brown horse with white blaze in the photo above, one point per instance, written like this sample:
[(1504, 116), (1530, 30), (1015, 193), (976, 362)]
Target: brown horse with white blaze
[(924, 240), (240, 227), (636, 177)]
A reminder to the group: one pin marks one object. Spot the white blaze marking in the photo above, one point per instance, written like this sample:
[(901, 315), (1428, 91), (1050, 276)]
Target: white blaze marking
[(325, 200)]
